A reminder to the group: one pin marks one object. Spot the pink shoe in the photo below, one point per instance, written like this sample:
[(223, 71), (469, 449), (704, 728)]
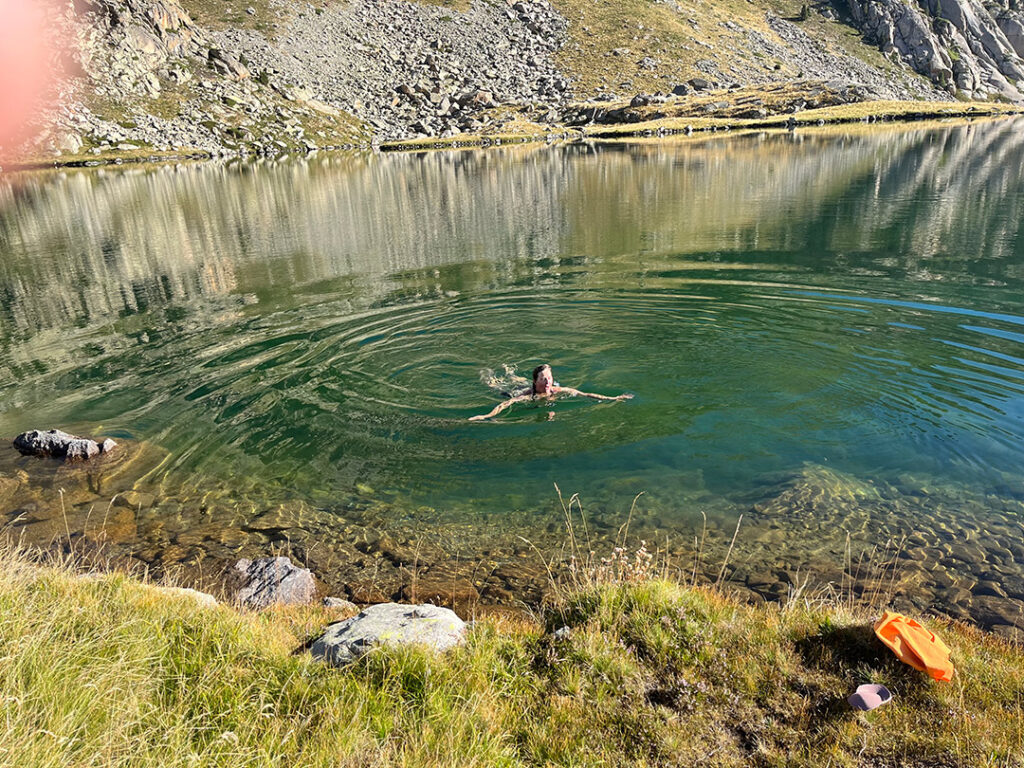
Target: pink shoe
[(869, 696)]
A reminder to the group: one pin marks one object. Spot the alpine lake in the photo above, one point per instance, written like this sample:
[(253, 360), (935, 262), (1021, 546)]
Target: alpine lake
[(823, 332)]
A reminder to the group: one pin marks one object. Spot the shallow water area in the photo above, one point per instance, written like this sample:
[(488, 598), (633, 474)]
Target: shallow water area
[(823, 333)]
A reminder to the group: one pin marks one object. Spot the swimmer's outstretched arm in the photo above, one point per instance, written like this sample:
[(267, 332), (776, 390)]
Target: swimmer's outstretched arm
[(591, 395), (500, 407)]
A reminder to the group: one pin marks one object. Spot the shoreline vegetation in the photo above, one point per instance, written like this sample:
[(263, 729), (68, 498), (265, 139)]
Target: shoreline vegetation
[(642, 124), (620, 666)]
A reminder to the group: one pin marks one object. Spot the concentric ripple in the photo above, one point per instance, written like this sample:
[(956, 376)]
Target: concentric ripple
[(849, 303), (731, 378)]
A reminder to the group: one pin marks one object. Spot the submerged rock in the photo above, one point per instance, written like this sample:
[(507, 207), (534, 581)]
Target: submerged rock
[(390, 624), (272, 581), (8, 487), (817, 493), (60, 445)]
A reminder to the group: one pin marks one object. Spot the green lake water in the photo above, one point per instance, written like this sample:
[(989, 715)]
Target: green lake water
[(823, 332)]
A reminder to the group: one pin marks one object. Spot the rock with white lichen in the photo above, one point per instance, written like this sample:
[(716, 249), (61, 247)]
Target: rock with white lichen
[(393, 624)]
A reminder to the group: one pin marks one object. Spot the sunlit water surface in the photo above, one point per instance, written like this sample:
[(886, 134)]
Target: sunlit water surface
[(824, 333)]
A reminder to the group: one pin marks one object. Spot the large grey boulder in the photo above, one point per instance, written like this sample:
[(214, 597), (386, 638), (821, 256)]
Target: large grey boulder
[(274, 581), (390, 624), (227, 64), (60, 445)]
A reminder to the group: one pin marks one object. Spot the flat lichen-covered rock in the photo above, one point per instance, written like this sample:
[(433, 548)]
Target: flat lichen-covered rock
[(390, 624)]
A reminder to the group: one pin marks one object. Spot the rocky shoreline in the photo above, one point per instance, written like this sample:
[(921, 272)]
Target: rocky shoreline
[(908, 546), (160, 78), (633, 125)]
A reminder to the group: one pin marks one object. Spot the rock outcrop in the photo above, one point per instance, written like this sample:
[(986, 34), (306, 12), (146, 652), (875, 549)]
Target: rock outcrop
[(390, 624), (56, 444), (140, 37), (150, 76), (274, 581), (961, 45)]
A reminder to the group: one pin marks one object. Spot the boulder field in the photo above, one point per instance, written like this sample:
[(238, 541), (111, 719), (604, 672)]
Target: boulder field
[(286, 76)]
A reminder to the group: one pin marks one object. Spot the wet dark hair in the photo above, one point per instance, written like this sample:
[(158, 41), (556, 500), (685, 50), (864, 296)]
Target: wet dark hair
[(536, 373)]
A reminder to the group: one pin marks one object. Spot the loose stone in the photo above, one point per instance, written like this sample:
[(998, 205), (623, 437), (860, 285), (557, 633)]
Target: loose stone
[(60, 445), (392, 624), (339, 604), (274, 581)]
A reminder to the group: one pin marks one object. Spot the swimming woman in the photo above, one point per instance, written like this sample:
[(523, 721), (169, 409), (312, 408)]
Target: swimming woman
[(543, 386)]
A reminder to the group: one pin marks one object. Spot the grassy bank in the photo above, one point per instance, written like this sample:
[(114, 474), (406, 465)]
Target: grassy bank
[(606, 40), (860, 112), (718, 111), (109, 671)]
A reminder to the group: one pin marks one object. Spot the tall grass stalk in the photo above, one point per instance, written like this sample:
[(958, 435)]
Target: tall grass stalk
[(698, 553), (728, 554)]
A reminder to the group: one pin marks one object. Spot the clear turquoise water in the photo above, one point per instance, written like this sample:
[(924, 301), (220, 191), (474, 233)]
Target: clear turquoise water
[(849, 301)]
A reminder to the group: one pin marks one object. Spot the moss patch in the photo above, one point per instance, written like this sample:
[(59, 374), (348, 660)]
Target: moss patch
[(268, 18)]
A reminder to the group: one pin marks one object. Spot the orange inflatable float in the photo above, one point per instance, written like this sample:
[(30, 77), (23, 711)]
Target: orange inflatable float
[(915, 645)]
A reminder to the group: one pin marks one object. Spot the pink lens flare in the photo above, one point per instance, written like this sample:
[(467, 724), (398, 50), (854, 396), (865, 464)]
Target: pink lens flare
[(28, 61)]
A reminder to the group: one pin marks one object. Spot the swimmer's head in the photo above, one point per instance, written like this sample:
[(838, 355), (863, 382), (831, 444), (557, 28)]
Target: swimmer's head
[(543, 380)]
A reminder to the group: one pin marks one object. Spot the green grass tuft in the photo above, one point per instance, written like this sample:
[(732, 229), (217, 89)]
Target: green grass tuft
[(108, 671)]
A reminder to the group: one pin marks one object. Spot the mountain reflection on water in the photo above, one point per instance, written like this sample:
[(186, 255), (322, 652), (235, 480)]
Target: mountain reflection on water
[(823, 332)]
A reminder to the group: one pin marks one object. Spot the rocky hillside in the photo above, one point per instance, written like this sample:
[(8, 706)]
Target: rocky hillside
[(964, 46), (281, 75)]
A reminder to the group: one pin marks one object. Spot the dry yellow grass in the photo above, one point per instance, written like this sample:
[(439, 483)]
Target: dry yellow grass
[(681, 34), (842, 113)]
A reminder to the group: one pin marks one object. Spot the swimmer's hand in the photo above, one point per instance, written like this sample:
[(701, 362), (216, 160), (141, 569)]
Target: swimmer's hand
[(593, 396)]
